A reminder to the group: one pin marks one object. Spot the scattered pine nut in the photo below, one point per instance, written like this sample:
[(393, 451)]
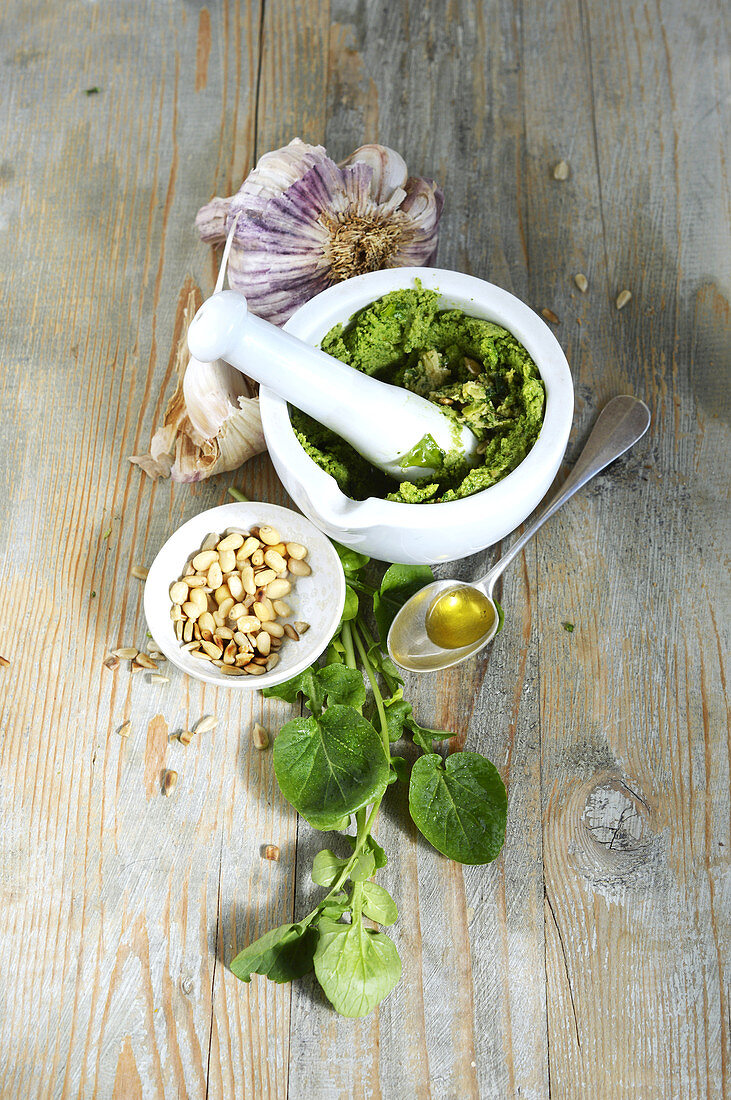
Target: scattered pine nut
[(111, 662), (5, 662), (269, 535), (550, 316), (271, 852), (260, 737), (140, 572), (134, 667), (561, 171), (169, 780), (582, 282), (144, 661), (622, 298), (127, 653), (186, 737), (206, 724), (155, 679), (124, 729)]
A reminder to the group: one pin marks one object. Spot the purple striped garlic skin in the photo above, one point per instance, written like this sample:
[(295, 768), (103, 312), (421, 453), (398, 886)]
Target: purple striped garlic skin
[(306, 223)]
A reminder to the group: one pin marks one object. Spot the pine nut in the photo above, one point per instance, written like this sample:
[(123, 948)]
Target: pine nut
[(207, 622), (275, 561), (186, 737), (232, 670), (279, 547), (272, 662), (296, 551), (255, 670), (210, 541), (582, 282), (179, 592), (159, 679), (199, 653), (271, 852), (215, 576), (298, 568), (203, 561), (290, 631), (192, 611), (278, 588), (262, 613), (196, 581), (222, 593), (247, 579), (179, 629), (168, 782), (188, 630), (623, 297), (236, 586), (248, 622), (224, 632), (269, 535), (139, 572), (228, 561), (274, 630), (127, 653), (211, 649), (176, 612), (263, 643), (145, 661), (260, 737), (231, 542), (199, 599), (264, 577), (249, 547), (125, 729), (205, 725), (282, 609), (257, 558), (302, 628)]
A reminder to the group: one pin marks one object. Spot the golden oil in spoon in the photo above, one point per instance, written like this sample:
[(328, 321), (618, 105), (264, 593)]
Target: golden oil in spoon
[(459, 617)]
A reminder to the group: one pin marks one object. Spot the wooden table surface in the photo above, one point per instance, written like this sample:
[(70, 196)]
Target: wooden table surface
[(591, 960)]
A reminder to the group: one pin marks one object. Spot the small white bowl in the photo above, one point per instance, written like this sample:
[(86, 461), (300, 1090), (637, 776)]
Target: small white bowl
[(398, 532), (317, 599)]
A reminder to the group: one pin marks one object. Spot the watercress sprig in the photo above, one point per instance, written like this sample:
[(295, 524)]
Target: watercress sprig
[(334, 765)]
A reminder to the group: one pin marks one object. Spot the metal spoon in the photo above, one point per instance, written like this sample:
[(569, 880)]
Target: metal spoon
[(620, 424)]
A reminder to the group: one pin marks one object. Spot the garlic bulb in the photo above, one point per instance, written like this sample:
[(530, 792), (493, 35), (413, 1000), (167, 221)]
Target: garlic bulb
[(212, 422), (305, 222)]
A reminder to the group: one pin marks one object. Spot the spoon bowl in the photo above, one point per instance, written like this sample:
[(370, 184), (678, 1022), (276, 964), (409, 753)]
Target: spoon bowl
[(622, 421), (410, 646)]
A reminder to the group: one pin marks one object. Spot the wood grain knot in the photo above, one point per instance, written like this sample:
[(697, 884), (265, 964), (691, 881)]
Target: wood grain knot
[(614, 843)]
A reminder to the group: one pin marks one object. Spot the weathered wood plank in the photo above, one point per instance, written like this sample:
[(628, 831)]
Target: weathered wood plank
[(634, 750)]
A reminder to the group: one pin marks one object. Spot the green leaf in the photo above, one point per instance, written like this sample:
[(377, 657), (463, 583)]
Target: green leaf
[(356, 968), (306, 682), (399, 584), (326, 867), (378, 904), (400, 769), (334, 908), (397, 711), (351, 561), (283, 954), (350, 608), (379, 855), (330, 766), (364, 867), (383, 664), (425, 734), (342, 685), (460, 806)]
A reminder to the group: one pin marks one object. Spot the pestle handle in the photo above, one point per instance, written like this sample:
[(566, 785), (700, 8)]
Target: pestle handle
[(380, 421)]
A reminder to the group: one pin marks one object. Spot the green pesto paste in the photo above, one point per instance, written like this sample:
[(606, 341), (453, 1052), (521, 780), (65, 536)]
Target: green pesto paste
[(477, 372)]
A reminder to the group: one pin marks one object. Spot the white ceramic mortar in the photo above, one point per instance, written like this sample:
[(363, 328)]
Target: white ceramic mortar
[(414, 533)]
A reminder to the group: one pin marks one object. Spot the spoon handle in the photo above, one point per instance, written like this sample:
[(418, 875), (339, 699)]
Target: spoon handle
[(622, 421)]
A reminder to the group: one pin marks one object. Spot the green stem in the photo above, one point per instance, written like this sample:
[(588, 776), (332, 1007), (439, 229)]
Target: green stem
[(376, 691), (346, 634), (237, 495)]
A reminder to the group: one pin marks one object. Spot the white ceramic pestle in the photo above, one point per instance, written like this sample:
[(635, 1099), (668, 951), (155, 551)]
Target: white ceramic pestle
[(382, 422)]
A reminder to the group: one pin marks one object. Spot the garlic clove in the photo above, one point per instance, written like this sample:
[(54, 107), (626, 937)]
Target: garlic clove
[(389, 169), (211, 392)]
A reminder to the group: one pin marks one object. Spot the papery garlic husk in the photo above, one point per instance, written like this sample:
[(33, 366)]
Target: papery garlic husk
[(212, 422), (305, 223)]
